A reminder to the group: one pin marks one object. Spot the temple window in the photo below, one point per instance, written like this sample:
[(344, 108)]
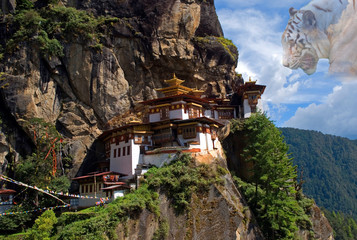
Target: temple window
[(194, 112), (164, 113), (189, 132), (225, 114)]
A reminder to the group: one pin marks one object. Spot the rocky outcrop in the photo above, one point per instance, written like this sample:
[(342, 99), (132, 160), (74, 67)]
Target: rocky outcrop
[(8, 6), (80, 91), (219, 214), (320, 225)]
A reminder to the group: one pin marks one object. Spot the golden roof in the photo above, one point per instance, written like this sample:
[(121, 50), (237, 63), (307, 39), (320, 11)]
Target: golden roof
[(174, 88), (174, 81)]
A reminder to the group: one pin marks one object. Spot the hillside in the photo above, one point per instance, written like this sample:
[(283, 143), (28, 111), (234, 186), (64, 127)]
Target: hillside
[(329, 165)]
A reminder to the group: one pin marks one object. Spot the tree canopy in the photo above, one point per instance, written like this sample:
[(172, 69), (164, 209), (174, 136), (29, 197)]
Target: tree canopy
[(274, 198)]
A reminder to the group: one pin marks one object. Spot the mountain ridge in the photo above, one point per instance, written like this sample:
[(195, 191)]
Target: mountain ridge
[(329, 167)]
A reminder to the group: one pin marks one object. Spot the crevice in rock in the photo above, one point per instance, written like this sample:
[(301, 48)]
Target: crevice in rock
[(44, 76)]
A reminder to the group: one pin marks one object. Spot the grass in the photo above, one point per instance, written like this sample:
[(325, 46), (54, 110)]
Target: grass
[(52, 26)]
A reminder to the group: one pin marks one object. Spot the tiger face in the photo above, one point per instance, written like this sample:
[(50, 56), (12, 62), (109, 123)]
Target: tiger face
[(298, 39)]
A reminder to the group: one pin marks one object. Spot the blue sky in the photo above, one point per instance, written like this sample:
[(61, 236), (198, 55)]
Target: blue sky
[(292, 99)]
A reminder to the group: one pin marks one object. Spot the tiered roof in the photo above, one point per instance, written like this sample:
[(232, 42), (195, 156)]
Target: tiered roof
[(251, 87)]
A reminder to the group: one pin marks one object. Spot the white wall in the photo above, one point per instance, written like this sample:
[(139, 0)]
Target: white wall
[(122, 164), (154, 117), (215, 114), (246, 107), (118, 193), (177, 114), (135, 152), (209, 141), (202, 139)]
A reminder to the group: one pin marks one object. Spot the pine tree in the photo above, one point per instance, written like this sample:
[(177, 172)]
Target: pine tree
[(272, 172)]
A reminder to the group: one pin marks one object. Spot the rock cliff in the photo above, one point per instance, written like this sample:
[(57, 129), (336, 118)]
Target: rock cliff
[(219, 214), (83, 89)]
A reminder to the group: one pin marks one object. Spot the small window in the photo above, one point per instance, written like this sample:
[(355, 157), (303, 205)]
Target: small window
[(99, 186), (119, 152), (189, 132), (86, 188), (115, 153), (128, 150), (90, 188), (82, 189), (123, 151)]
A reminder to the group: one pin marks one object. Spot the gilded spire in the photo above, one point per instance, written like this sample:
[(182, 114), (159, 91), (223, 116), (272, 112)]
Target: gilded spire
[(174, 81)]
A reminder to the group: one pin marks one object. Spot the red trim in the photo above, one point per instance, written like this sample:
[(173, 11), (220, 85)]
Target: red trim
[(7, 191), (97, 174), (180, 96), (193, 150), (114, 183)]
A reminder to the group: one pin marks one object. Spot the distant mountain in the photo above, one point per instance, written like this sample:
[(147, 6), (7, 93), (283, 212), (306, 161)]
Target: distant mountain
[(329, 165)]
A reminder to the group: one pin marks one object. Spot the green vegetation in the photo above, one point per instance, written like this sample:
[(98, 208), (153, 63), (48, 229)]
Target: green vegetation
[(15, 223), (227, 44), (178, 180), (162, 232), (40, 164), (329, 166), (344, 226), (23, 5), (43, 226), (3, 83), (271, 188), (101, 224), (53, 25)]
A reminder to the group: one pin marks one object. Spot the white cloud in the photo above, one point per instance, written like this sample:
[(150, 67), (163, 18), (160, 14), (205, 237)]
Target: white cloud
[(336, 115), (257, 36), (259, 3)]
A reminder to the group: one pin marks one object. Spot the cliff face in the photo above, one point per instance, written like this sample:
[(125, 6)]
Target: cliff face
[(80, 91), (219, 214)]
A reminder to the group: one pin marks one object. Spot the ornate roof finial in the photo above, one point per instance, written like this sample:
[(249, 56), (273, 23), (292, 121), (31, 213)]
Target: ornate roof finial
[(174, 76), (250, 79)]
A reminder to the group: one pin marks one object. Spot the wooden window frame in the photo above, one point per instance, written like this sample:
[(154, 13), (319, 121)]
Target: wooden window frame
[(189, 132)]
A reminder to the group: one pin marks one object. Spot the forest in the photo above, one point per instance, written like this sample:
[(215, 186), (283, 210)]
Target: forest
[(328, 166)]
